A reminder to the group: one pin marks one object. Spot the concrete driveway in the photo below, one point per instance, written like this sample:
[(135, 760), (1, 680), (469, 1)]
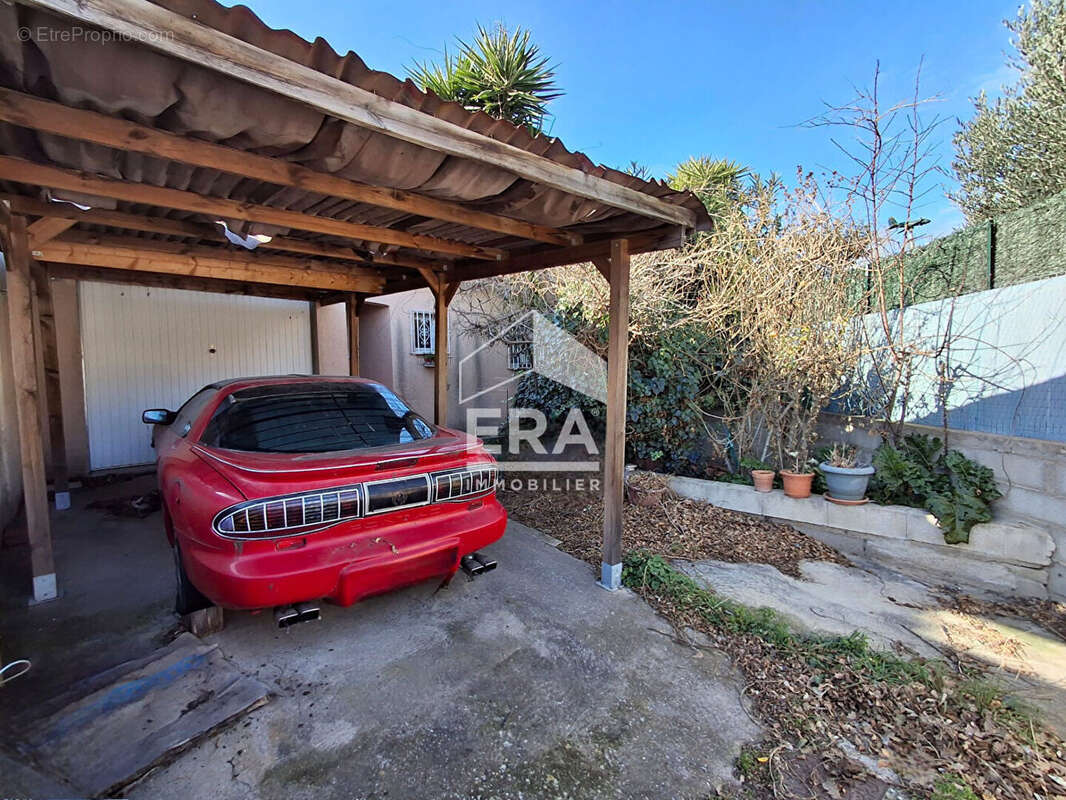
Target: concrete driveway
[(528, 682)]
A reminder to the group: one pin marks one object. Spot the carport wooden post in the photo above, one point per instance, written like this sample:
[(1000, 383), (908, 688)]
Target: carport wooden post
[(440, 358), (352, 305), (615, 449), (23, 334), (312, 318), (443, 292), (47, 349)]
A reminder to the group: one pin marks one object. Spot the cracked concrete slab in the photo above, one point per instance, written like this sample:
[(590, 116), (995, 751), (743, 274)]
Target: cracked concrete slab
[(529, 682), (895, 610)]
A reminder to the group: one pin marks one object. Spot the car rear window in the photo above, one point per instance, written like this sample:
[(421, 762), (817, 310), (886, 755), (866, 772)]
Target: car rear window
[(313, 418)]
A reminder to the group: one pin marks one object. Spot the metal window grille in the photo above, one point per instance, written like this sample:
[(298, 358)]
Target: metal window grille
[(423, 332), (520, 356)]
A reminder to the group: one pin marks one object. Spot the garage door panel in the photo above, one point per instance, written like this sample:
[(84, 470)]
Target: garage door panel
[(150, 348)]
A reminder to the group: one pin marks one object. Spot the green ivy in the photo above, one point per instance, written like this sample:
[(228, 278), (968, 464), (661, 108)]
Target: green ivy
[(920, 473)]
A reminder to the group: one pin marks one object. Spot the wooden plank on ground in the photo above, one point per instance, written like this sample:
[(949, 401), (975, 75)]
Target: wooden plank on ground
[(157, 707)]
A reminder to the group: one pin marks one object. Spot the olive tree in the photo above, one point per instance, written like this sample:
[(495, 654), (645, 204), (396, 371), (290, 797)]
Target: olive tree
[(1013, 150)]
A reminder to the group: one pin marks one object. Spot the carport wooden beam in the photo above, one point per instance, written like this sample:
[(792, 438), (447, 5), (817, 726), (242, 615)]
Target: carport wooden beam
[(209, 263), (26, 172), (188, 283), (24, 333), (185, 229)]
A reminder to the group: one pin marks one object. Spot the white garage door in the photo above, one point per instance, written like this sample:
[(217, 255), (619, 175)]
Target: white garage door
[(152, 348)]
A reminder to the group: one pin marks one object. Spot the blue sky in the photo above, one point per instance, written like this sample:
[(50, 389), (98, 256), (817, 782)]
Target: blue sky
[(658, 82)]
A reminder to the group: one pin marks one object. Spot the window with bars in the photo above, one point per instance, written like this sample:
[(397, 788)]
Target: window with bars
[(520, 356), (423, 332)]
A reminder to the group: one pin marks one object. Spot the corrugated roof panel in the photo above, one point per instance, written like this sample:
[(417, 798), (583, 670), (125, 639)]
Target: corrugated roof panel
[(131, 81)]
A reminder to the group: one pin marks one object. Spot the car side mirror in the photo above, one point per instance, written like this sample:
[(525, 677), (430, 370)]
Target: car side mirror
[(158, 416)]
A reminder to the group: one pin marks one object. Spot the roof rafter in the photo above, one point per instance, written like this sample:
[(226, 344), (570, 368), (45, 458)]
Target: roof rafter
[(198, 230), (545, 258), (205, 262), (30, 173), (43, 115)]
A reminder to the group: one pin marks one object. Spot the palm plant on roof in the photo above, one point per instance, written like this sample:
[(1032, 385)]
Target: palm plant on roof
[(499, 72)]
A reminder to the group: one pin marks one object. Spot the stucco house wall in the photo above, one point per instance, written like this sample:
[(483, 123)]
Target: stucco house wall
[(385, 334)]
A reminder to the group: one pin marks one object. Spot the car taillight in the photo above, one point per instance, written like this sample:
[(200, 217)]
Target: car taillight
[(283, 516), (308, 512), (462, 484)]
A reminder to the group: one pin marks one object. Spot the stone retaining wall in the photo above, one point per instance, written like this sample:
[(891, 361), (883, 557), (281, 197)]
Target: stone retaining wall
[(1013, 558), (1031, 473)]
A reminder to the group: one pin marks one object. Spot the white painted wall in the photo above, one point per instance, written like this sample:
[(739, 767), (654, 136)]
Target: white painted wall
[(153, 348), (1008, 359)]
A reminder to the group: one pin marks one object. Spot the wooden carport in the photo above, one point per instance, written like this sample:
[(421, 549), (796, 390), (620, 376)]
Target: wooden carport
[(131, 129)]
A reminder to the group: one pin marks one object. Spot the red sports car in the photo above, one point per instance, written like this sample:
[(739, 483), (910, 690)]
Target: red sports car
[(279, 492)]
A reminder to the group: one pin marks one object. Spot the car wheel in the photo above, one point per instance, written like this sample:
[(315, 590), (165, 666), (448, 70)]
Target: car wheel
[(188, 598)]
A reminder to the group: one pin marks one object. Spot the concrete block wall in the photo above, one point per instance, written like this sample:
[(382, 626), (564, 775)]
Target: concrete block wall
[(1011, 557), (1031, 473)]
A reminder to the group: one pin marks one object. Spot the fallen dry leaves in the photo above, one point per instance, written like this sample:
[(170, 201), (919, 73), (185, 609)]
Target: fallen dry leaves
[(677, 528), (920, 729)]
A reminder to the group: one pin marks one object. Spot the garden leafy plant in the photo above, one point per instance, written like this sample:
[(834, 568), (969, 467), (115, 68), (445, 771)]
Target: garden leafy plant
[(665, 428), (920, 473)]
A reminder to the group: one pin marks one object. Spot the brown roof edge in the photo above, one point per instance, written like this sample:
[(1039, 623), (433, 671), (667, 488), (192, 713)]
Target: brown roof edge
[(242, 23)]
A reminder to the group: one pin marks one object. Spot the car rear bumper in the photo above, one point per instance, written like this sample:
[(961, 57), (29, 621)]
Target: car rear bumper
[(344, 564)]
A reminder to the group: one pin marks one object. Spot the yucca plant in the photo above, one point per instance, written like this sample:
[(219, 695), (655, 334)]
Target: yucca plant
[(718, 182), (500, 73)]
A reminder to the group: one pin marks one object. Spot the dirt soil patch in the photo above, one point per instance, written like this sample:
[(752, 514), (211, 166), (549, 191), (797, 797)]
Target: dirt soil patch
[(1047, 614), (674, 528)]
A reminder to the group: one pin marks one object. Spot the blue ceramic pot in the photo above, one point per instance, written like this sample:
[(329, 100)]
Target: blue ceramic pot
[(846, 483)]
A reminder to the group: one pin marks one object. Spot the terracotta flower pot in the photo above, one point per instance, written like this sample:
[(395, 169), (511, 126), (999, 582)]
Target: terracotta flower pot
[(764, 479), (797, 484)]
